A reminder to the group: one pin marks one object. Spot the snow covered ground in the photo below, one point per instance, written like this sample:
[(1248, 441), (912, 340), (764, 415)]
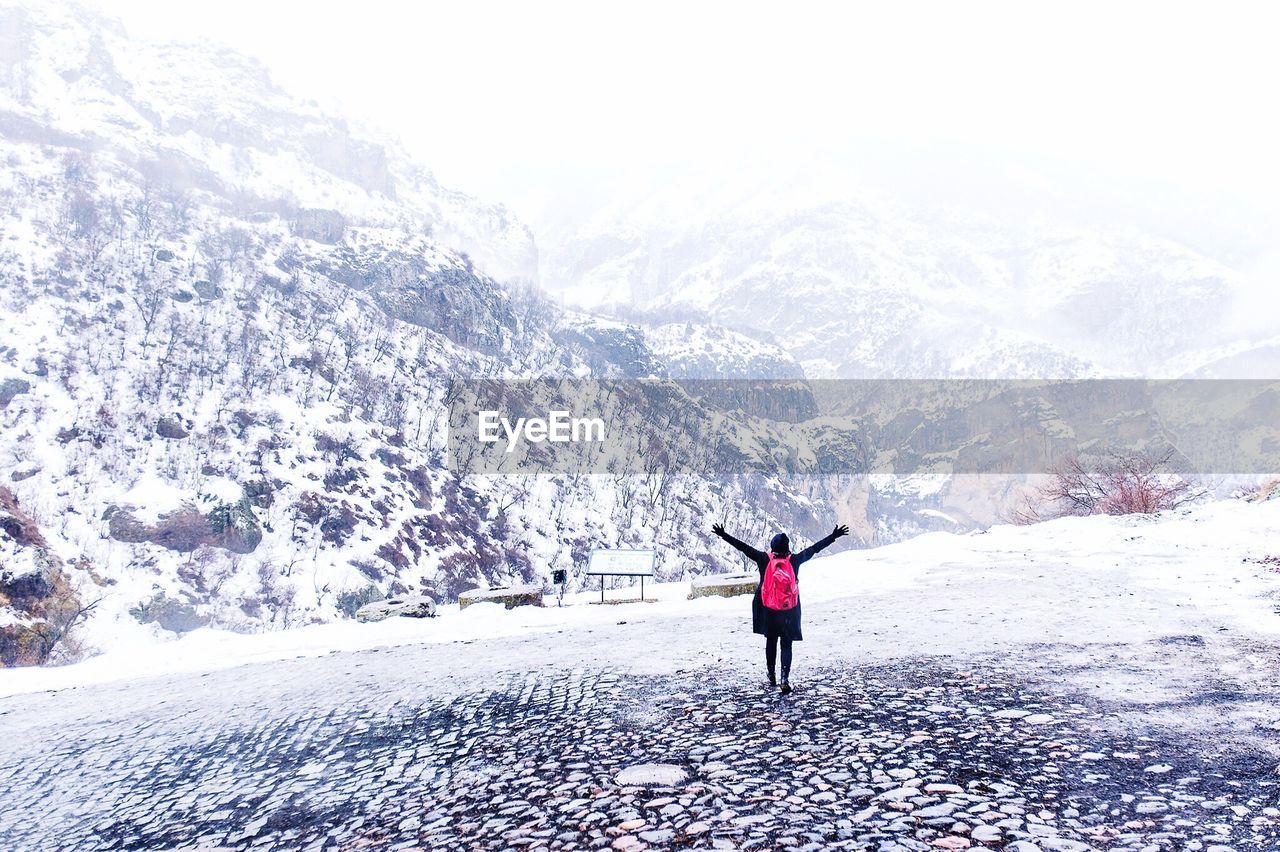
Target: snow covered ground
[(1092, 592), (1109, 680)]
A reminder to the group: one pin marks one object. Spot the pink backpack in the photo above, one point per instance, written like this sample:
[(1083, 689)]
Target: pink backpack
[(779, 589)]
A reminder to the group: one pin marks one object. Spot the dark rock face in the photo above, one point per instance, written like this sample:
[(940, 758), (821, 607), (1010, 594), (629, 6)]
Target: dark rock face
[(171, 427), (207, 290), (323, 226), (174, 615), (452, 300), (786, 401), (26, 587), (235, 527), (230, 526), (610, 348), (412, 281), (9, 388), (39, 605), (15, 524)]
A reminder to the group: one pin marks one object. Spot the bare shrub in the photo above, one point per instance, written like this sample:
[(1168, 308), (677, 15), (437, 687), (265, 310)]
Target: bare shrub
[(1268, 491), (1124, 484)]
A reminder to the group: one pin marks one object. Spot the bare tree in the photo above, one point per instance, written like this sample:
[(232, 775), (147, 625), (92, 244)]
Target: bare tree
[(1123, 484), (148, 298), (143, 208)]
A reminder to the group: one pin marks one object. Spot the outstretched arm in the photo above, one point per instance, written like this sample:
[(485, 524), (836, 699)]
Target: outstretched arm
[(746, 549), (820, 545)]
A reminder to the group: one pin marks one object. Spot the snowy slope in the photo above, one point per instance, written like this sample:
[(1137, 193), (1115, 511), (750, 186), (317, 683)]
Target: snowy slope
[(199, 117), (700, 351), (1208, 565)]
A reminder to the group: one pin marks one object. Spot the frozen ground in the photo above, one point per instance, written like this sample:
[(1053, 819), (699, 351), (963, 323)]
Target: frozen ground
[(1147, 637)]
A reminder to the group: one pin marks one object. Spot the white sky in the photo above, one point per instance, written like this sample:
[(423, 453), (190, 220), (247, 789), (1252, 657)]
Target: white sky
[(531, 102)]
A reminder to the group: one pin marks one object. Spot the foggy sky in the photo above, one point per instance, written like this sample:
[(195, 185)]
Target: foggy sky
[(551, 106)]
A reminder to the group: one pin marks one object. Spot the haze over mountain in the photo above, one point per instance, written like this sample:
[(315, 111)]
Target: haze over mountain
[(1057, 156), (858, 281)]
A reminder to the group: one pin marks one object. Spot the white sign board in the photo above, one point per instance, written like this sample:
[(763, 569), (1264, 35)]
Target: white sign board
[(631, 563)]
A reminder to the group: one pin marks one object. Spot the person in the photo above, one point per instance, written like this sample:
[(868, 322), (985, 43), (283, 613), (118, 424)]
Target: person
[(778, 626)]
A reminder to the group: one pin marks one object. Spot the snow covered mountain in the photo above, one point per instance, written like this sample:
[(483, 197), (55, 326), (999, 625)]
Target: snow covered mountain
[(228, 323), (857, 287)]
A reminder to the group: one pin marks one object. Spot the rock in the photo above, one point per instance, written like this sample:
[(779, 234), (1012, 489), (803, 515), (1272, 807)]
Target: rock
[(1010, 714), (1038, 719), (1062, 844), (724, 585), (509, 596), (986, 833), (34, 590), (9, 388), (171, 614), (171, 428), (323, 226), (207, 290), (409, 606), (652, 775), (229, 524), (15, 524), (25, 587), (942, 810), (951, 843), (898, 794), (657, 835), (234, 526), (1158, 768)]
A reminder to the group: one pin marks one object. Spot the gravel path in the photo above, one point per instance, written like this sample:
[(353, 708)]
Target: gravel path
[(910, 756)]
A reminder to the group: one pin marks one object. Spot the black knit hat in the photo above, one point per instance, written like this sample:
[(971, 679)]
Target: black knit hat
[(780, 544)]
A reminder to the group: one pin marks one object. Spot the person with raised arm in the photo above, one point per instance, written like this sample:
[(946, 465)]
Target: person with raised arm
[(775, 609)]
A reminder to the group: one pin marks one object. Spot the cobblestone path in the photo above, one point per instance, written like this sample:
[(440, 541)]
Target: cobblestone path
[(860, 758)]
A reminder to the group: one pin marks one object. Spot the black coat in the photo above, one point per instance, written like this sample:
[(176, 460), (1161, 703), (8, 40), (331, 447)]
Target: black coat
[(784, 624)]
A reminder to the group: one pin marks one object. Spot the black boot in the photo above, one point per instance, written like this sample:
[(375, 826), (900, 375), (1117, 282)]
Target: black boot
[(786, 681), (773, 679)]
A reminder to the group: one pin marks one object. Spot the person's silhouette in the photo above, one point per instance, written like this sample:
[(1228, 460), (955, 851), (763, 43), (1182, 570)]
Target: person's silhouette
[(778, 626)]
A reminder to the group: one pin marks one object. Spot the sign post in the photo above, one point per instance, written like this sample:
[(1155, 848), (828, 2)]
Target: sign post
[(622, 563), (560, 577)]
